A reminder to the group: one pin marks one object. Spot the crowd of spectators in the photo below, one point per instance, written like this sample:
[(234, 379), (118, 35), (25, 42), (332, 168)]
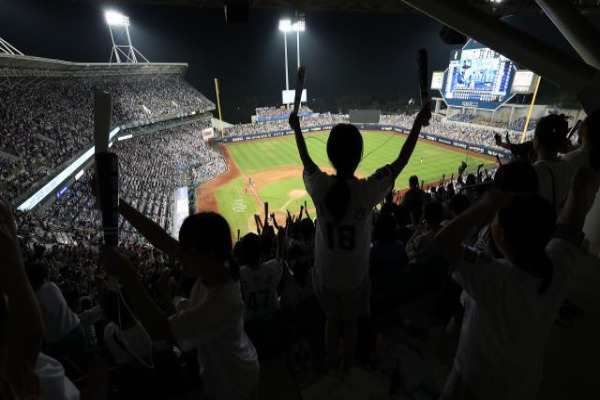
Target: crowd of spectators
[(47, 123), (150, 167), (276, 111), (256, 128), (519, 124), (409, 259), (455, 131), (462, 117)]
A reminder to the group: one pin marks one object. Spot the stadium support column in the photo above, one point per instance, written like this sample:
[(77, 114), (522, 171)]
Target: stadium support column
[(298, 46), (287, 77), (219, 106), (567, 72), (537, 87), (575, 28)]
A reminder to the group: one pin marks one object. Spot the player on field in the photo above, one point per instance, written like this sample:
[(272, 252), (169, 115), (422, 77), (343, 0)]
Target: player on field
[(344, 206)]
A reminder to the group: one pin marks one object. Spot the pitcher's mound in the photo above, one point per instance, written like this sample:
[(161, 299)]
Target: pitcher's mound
[(297, 194)]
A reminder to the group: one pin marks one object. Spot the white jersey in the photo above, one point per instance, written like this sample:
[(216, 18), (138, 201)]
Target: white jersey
[(342, 250), (59, 320), (213, 324), (578, 158), (506, 322), (259, 288), (554, 181)]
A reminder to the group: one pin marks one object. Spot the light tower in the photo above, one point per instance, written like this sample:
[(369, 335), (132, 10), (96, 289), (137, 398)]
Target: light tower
[(7, 48), (299, 26), (285, 26), (122, 49)]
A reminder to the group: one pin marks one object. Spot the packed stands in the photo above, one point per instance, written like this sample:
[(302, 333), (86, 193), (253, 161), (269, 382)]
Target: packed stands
[(275, 111), (47, 123), (274, 126), (151, 166)]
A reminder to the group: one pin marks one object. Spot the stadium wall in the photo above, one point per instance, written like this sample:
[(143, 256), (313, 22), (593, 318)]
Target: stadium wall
[(485, 150)]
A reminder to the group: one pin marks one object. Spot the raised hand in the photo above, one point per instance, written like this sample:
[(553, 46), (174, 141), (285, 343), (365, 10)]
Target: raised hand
[(294, 122), (424, 115)]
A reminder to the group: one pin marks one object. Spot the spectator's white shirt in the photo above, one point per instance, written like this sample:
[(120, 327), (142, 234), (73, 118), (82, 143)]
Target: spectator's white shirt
[(506, 322), (578, 158), (554, 181), (259, 288), (128, 345), (342, 250), (54, 385), (59, 320), (213, 324)]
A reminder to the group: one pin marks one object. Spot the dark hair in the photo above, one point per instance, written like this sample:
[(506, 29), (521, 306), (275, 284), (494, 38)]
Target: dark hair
[(551, 131), (528, 222), (37, 274), (302, 267), (209, 232), (433, 213), (306, 229), (471, 180), (413, 180), (385, 229), (592, 123), (516, 177), (250, 249), (344, 149), (459, 203)]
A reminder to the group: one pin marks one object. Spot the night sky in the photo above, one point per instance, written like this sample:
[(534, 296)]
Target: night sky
[(352, 59)]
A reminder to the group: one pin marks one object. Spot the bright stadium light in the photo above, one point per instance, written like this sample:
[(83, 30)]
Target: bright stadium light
[(122, 49), (116, 19), (285, 25), (299, 26)]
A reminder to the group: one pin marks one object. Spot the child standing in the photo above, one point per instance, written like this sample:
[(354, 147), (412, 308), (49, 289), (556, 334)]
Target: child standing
[(344, 207)]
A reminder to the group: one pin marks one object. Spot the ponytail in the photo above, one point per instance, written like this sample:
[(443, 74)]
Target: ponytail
[(344, 149), (337, 199)]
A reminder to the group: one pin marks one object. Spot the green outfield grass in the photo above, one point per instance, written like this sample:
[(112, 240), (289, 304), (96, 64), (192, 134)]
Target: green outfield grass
[(380, 148)]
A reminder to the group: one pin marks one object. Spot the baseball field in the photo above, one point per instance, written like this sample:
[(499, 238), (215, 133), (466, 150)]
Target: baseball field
[(269, 170)]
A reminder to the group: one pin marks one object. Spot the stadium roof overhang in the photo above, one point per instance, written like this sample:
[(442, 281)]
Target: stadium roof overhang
[(26, 66), (505, 7)]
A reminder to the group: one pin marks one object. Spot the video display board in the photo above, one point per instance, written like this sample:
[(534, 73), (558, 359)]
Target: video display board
[(478, 77)]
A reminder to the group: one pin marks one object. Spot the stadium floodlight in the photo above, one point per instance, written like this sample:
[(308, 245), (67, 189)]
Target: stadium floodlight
[(299, 26), (285, 26), (7, 48), (116, 19), (122, 49)]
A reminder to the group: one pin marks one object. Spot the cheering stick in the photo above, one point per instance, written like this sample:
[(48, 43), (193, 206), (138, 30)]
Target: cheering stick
[(423, 70), (299, 87), (107, 169)]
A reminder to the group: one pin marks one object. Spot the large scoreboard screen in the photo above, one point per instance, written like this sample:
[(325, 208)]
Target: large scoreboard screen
[(478, 77)]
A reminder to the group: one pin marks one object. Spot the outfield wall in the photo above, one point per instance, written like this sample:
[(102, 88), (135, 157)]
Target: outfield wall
[(485, 150)]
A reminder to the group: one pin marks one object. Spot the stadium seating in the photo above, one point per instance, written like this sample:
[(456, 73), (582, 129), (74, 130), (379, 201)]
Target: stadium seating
[(45, 125), (150, 165)]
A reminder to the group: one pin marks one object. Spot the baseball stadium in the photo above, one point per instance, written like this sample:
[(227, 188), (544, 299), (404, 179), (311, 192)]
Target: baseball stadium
[(299, 199), (270, 171)]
